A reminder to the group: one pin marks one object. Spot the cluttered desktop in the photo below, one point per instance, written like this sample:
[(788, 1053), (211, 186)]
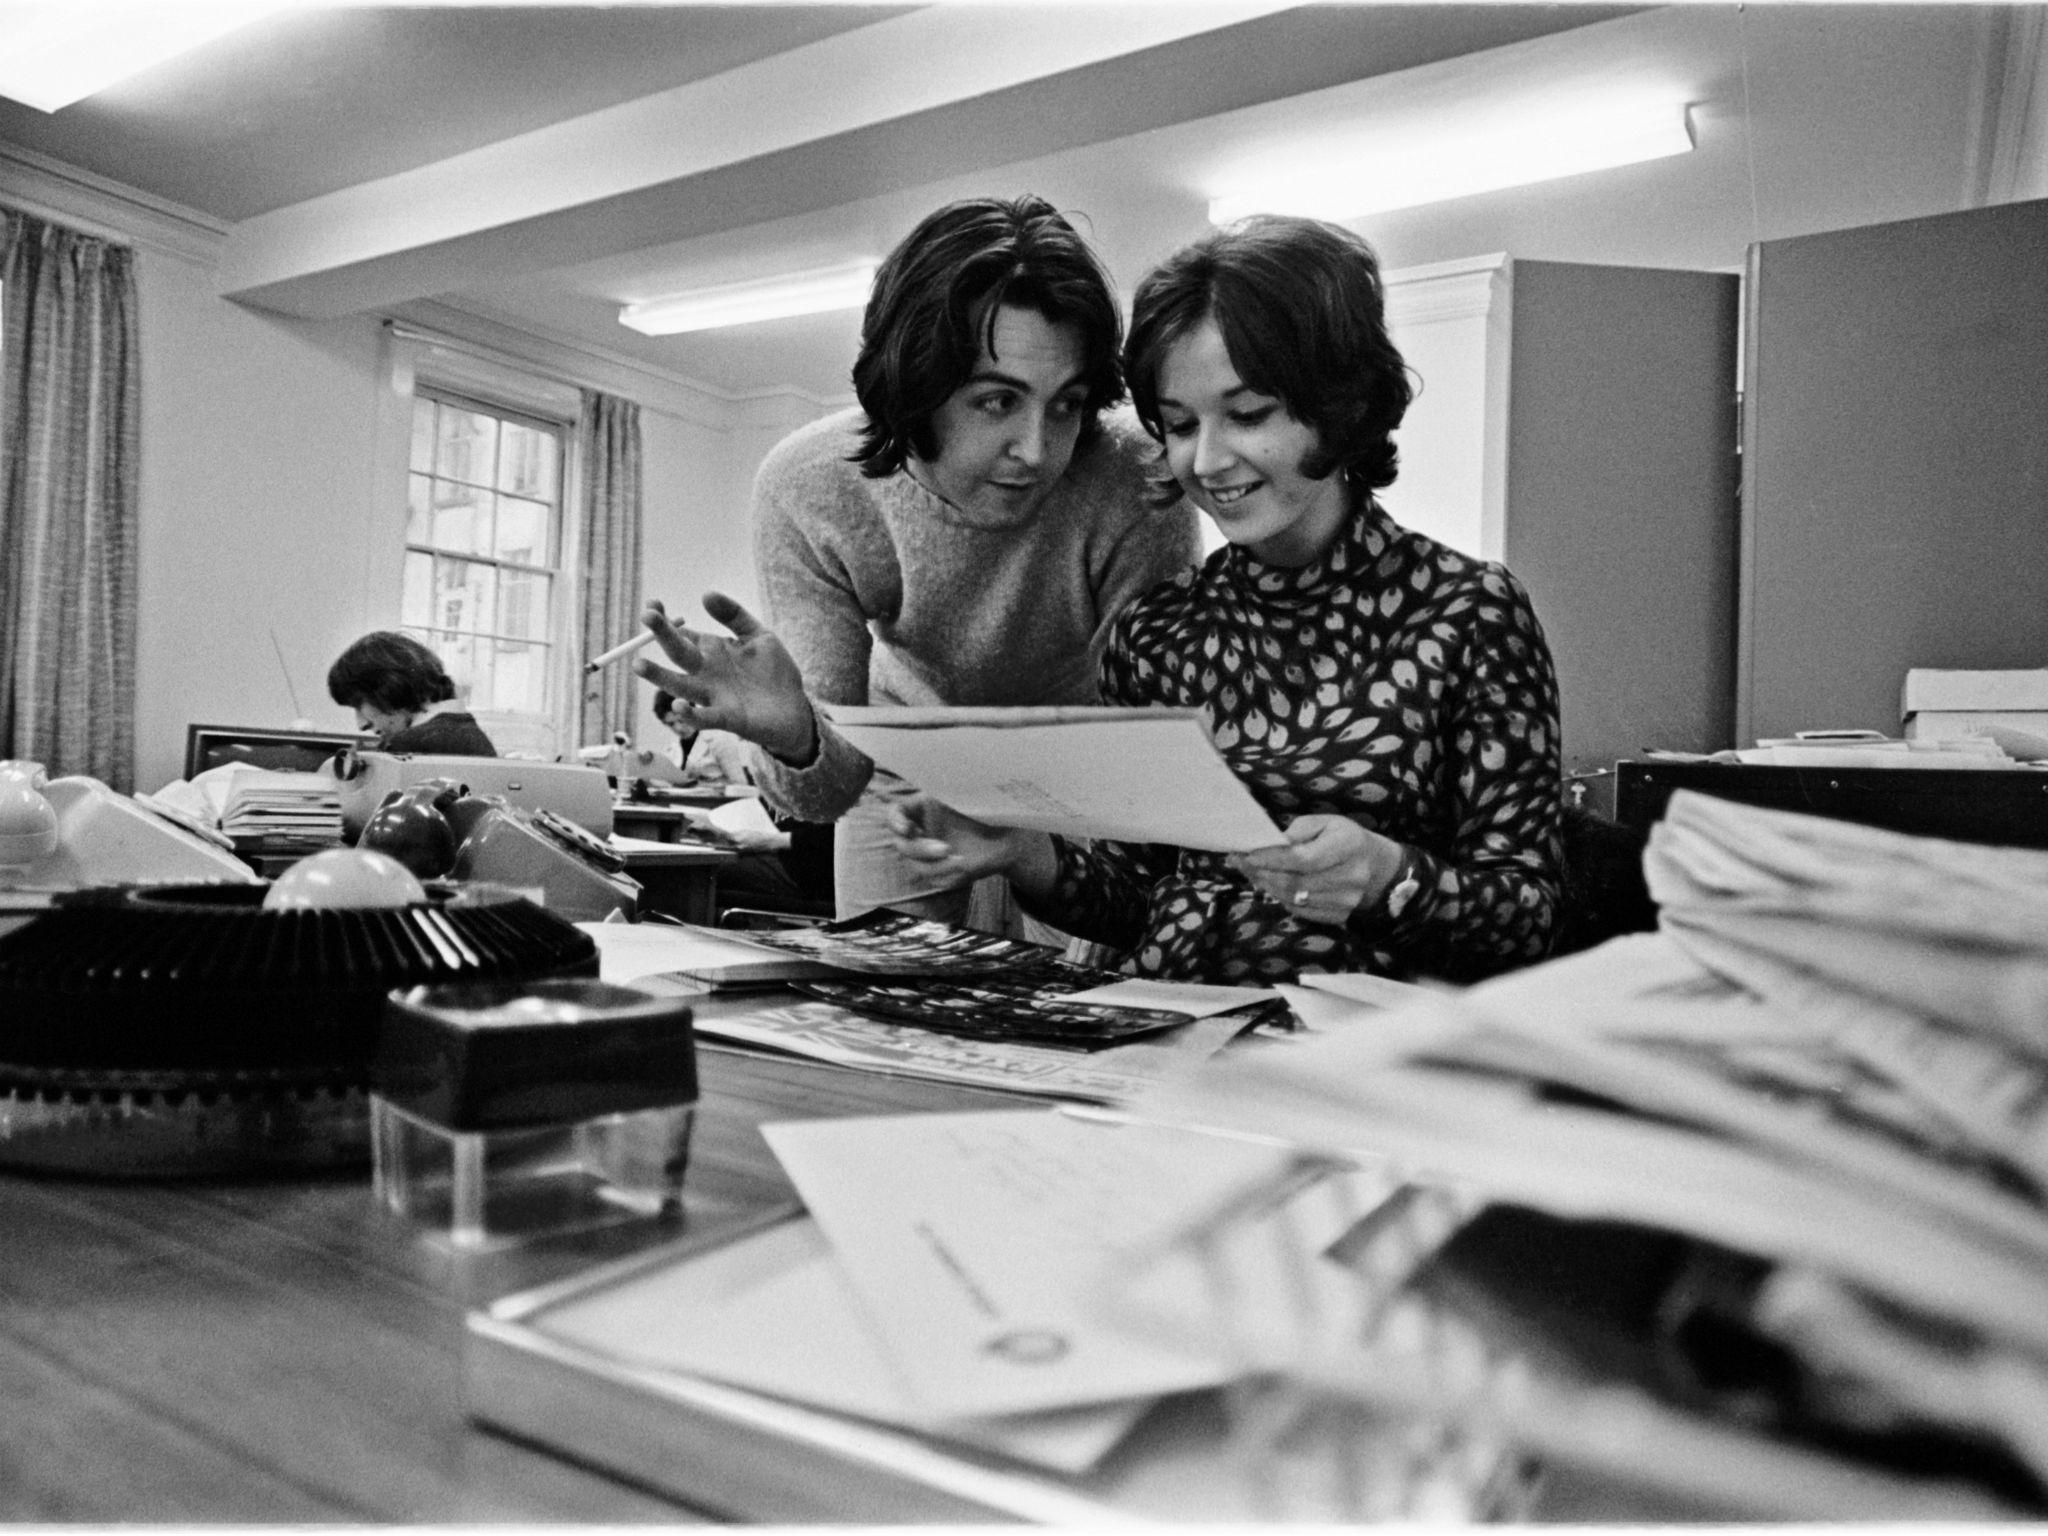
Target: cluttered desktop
[(384, 1141)]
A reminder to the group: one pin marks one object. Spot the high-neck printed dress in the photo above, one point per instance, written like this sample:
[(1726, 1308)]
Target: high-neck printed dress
[(1394, 681)]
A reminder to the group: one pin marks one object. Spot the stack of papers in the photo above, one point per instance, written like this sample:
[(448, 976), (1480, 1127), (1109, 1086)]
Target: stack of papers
[(948, 1277), (1870, 749), (1830, 1067), (281, 812), (260, 809)]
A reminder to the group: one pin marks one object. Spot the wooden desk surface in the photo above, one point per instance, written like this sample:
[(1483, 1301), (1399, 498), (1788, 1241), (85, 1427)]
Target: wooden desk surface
[(204, 1352)]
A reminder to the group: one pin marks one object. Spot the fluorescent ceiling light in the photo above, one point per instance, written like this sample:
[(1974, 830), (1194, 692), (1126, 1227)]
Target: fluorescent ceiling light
[(768, 298), (1412, 169), (55, 52)]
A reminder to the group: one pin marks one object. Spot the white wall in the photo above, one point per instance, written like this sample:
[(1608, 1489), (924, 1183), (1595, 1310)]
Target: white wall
[(257, 442), (698, 480), (1451, 323)]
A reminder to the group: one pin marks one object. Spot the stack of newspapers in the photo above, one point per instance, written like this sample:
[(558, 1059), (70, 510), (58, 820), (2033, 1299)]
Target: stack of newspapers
[(1767, 1190)]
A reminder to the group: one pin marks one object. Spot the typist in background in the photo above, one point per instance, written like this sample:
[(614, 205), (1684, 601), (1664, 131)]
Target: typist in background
[(964, 537), (1390, 701), (399, 689)]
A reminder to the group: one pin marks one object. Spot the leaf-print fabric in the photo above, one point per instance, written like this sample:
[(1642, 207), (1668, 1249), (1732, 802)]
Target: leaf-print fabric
[(1395, 681)]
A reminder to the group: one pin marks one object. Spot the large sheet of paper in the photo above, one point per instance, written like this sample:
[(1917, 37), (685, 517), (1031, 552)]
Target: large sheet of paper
[(1136, 775), (976, 1244)]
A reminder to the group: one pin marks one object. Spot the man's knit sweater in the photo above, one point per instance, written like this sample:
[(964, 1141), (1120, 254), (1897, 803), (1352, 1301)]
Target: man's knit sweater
[(885, 594)]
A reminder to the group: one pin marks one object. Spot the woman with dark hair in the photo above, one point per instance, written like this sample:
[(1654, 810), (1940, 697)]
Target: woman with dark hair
[(1389, 700), (399, 690), (964, 537)]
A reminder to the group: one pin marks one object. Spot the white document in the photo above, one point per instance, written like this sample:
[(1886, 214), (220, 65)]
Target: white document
[(976, 1244), (1135, 775), (1360, 987), (627, 952), (1352, 999), (773, 1313)]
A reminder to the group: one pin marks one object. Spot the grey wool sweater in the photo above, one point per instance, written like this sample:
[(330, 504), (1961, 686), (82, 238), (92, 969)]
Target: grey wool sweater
[(885, 594)]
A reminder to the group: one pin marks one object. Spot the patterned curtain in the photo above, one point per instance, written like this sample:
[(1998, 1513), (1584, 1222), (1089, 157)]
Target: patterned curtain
[(609, 436), (70, 406)]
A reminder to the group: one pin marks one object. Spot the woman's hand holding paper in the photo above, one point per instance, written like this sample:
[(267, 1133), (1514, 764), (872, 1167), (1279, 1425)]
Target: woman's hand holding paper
[(745, 683), (1328, 867)]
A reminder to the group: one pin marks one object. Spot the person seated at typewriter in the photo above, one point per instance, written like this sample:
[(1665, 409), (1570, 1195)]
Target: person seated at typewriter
[(404, 696), (1389, 701), (706, 756)]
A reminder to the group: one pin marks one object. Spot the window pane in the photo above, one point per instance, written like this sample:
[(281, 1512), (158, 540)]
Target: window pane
[(416, 609), (423, 435), (522, 533), (468, 662), (419, 510), (526, 463), (467, 445), (519, 677), (461, 519), (464, 595), (523, 604)]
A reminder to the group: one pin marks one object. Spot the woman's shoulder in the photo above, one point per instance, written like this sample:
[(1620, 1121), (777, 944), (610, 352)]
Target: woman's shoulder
[(1187, 594), (1429, 565)]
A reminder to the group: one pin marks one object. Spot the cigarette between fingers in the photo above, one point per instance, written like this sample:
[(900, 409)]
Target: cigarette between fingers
[(620, 651)]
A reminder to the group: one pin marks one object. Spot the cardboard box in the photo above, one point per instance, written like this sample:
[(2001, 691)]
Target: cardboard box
[(2010, 707)]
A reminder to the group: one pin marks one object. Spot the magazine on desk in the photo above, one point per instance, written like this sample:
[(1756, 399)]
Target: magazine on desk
[(944, 981), (826, 1032)]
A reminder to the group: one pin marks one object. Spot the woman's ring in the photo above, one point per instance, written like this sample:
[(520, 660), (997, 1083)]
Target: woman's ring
[(1301, 897)]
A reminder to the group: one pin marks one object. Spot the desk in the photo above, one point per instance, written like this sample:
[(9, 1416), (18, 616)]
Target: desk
[(1970, 805), (282, 1352), (679, 880)]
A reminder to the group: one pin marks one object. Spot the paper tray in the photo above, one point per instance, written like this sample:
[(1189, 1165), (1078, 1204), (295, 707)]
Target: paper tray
[(741, 1454)]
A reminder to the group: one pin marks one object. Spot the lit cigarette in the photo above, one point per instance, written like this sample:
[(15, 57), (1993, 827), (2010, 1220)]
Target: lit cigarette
[(620, 651)]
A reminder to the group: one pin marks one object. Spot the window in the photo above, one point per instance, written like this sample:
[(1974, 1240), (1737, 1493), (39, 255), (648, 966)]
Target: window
[(483, 561)]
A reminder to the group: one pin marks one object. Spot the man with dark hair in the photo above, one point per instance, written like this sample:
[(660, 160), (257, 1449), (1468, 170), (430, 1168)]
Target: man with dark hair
[(964, 537), (399, 690), (717, 756)]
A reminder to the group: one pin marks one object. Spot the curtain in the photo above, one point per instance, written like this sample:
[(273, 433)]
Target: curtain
[(609, 437), (70, 406)]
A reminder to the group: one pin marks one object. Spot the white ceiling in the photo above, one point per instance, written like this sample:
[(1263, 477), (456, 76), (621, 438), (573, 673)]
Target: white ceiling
[(542, 165)]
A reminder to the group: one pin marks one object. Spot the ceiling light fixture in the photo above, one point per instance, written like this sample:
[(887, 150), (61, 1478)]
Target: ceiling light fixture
[(55, 52), (769, 298), (1410, 170)]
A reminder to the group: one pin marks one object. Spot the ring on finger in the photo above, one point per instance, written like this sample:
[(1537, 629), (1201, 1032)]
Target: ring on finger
[(1301, 896)]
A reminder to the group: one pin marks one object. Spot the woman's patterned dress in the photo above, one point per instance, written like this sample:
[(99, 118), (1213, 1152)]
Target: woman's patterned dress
[(1394, 681)]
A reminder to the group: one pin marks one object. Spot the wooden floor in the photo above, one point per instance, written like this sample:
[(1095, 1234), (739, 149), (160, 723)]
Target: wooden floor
[(283, 1352)]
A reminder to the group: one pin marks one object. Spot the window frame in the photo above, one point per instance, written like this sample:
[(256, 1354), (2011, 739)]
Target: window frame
[(559, 697)]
